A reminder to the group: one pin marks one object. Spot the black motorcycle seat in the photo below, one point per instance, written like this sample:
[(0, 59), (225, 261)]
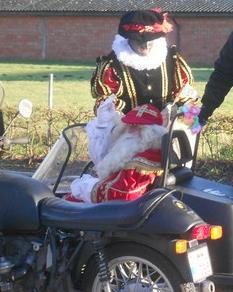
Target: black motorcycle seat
[(114, 215), (19, 199)]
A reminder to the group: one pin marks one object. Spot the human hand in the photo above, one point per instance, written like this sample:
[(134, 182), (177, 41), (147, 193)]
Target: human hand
[(202, 117)]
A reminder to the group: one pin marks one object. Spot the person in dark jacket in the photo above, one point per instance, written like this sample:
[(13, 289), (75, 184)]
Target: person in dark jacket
[(220, 81), (141, 68)]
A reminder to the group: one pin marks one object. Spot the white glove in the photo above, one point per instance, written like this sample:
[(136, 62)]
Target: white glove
[(99, 129), (81, 187), (106, 112)]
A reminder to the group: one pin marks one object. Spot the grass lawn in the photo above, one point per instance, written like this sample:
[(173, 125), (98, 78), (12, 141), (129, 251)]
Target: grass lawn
[(31, 80), (71, 83), (201, 76)]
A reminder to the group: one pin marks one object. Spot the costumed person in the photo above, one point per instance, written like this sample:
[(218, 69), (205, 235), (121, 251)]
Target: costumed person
[(132, 163), (141, 68), (220, 81)]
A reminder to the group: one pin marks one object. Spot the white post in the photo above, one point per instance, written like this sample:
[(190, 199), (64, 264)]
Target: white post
[(50, 106), (50, 95)]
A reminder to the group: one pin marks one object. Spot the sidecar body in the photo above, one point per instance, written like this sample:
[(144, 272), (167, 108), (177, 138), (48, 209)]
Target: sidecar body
[(214, 203)]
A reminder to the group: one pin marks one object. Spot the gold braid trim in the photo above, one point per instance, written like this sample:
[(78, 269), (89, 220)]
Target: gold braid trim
[(120, 89), (129, 85), (178, 77), (120, 104), (100, 71), (94, 90), (104, 87), (109, 186), (164, 80), (94, 192), (184, 66), (144, 166)]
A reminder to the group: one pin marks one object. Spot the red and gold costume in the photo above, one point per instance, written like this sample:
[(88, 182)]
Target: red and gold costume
[(135, 87), (154, 77), (132, 181), (132, 163)]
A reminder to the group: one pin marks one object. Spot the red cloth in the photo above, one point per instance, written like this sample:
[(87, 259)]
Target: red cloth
[(110, 81), (132, 181), (69, 197)]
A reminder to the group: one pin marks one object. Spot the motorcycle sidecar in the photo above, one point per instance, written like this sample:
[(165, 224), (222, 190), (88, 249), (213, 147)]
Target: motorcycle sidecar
[(214, 203)]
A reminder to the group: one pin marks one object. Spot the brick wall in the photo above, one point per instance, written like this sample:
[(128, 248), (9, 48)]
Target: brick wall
[(202, 37), (83, 38)]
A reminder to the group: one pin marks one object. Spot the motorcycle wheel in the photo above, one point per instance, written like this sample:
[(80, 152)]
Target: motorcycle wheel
[(135, 268)]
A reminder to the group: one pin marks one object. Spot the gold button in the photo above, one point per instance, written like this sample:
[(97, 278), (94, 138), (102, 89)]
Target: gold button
[(149, 87)]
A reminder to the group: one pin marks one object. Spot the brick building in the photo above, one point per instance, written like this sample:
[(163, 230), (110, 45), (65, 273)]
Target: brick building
[(82, 30)]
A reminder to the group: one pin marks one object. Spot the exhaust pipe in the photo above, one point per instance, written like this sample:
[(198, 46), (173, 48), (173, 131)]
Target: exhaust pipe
[(207, 286)]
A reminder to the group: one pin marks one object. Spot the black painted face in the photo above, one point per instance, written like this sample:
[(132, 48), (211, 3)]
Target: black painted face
[(141, 48)]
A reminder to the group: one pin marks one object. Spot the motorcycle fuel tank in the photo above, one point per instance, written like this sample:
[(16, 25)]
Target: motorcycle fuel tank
[(19, 199), (213, 202)]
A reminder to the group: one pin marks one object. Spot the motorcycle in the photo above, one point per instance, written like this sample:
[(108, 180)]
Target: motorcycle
[(155, 243)]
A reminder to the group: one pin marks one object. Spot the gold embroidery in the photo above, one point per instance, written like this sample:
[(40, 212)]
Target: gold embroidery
[(105, 88), (144, 109), (129, 85), (109, 184), (184, 66), (144, 166), (163, 82), (94, 192)]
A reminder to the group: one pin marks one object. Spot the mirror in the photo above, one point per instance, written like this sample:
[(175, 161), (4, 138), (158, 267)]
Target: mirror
[(25, 108)]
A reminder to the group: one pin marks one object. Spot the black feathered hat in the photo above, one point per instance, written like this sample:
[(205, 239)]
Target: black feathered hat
[(144, 25)]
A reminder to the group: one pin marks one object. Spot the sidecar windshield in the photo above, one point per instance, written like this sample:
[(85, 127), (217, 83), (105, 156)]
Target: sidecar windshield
[(66, 160)]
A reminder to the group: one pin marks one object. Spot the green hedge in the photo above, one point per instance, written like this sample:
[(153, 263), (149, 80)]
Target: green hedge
[(217, 139), (44, 127)]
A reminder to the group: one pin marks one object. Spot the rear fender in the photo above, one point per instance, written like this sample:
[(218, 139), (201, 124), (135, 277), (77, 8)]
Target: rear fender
[(171, 217), (213, 201), (160, 243)]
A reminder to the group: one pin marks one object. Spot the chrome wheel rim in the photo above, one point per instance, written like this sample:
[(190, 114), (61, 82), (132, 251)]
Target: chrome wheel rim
[(134, 274)]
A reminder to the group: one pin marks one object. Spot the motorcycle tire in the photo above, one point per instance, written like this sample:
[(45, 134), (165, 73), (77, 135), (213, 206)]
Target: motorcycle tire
[(134, 267)]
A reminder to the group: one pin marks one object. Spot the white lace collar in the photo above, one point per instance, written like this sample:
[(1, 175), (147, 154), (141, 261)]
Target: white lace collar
[(128, 57)]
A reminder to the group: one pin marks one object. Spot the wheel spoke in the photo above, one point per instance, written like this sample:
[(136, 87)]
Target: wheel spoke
[(123, 273), (137, 275)]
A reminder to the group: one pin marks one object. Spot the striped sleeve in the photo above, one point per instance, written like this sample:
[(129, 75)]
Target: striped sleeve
[(105, 81)]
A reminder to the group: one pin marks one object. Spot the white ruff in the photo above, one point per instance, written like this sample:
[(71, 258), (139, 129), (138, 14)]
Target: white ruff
[(127, 146), (129, 58)]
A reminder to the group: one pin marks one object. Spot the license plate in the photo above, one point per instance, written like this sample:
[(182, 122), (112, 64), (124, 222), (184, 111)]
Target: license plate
[(199, 262)]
